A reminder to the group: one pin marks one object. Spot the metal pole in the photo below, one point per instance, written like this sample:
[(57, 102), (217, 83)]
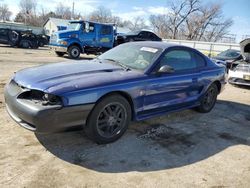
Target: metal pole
[(73, 9)]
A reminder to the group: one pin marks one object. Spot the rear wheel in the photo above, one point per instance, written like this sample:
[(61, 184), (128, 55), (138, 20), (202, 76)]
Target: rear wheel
[(40, 43), (13, 37), (25, 44), (74, 52), (109, 119), (209, 99), (60, 54)]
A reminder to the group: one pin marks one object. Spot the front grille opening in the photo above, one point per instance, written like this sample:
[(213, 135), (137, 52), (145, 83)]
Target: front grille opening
[(33, 94)]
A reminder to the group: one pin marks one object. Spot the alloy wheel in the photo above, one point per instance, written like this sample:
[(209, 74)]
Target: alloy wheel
[(111, 120)]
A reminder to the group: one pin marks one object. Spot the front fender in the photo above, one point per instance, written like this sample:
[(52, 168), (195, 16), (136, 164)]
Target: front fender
[(93, 95), (73, 41)]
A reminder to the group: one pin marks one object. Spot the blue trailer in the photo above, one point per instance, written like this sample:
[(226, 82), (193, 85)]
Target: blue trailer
[(83, 37)]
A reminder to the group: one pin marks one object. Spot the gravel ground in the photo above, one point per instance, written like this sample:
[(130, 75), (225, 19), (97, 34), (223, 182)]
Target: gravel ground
[(184, 149)]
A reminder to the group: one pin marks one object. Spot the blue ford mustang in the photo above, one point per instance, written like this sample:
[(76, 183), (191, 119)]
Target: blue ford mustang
[(133, 81)]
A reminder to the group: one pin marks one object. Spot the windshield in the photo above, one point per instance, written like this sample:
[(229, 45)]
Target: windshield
[(229, 53), (132, 55), (74, 26)]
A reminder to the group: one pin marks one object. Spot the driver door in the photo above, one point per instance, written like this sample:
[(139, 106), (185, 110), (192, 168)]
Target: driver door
[(88, 35), (170, 91)]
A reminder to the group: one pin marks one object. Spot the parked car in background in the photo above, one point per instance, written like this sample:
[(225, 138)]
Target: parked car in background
[(21, 38), (140, 35), (9, 37), (83, 37), (240, 75), (131, 82), (21, 35), (229, 57)]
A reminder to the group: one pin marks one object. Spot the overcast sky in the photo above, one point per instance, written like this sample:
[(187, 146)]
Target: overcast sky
[(238, 10)]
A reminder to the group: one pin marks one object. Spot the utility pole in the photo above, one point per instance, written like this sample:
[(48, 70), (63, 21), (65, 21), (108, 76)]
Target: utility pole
[(72, 12)]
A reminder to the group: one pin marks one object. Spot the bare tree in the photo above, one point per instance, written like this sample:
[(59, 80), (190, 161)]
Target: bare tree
[(27, 13), (62, 11), (179, 12), (189, 19), (28, 6), (207, 24), (218, 30), (136, 24), (102, 15), (160, 25), (5, 13)]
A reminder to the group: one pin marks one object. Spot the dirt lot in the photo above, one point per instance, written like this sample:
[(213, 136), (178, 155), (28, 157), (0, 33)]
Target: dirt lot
[(185, 149)]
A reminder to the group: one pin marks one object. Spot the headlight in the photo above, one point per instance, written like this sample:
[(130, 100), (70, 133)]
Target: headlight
[(63, 43), (40, 97), (50, 99)]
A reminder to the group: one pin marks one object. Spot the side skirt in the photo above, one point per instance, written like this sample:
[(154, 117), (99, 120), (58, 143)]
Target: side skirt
[(163, 111)]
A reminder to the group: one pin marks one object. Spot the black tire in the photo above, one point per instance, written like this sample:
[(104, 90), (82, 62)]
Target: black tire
[(13, 37), (40, 43), (109, 119), (209, 99), (34, 45), (25, 44), (74, 52), (60, 54)]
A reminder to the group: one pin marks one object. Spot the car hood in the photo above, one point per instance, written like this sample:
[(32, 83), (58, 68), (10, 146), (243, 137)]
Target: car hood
[(245, 49), (224, 58), (64, 77), (66, 33)]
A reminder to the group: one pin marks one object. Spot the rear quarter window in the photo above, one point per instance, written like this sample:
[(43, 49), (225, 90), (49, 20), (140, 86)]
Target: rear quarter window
[(200, 61), (3, 32)]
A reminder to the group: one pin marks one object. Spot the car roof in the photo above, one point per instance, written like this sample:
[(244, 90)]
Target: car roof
[(157, 44)]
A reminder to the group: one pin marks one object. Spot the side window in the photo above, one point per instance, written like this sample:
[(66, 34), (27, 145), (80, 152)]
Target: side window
[(91, 27), (200, 61), (3, 32), (106, 30), (142, 34), (153, 36), (234, 54), (88, 27), (179, 60)]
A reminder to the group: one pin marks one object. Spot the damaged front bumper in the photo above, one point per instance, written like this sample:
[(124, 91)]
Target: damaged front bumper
[(239, 77), (58, 48), (239, 81), (40, 118)]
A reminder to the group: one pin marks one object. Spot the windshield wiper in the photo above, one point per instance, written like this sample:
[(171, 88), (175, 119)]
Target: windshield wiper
[(119, 63)]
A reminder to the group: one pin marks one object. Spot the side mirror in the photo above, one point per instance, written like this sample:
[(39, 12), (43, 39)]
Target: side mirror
[(165, 69)]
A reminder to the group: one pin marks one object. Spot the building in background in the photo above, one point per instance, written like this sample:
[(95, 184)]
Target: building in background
[(55, 24)]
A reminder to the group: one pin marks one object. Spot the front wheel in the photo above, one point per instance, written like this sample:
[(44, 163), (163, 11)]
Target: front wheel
[(74, 52), (109, 119), (25, 44), (209, 99)]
